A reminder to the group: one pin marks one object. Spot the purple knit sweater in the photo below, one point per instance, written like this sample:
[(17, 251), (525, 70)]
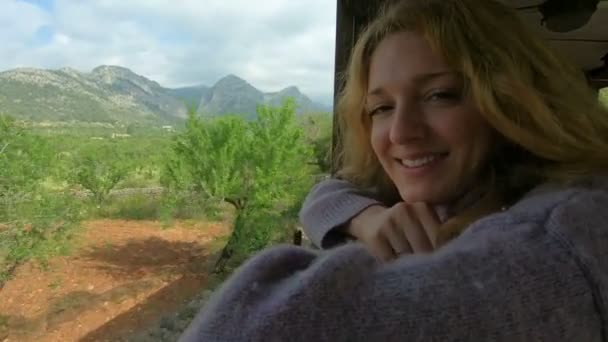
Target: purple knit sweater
[(535, 272)]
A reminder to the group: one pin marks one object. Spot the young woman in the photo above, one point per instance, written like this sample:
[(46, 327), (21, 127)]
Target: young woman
[(486, 156)]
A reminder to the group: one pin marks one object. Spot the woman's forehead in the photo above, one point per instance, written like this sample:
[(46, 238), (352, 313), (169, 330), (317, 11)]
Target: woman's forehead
[(378, 87), (406, 57)]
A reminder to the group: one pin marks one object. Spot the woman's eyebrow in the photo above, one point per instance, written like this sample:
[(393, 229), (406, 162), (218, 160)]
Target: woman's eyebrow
[(425, 78), (418, 80)]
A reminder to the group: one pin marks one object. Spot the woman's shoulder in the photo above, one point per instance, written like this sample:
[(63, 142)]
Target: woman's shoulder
[(578, 218), (549, 201), (574, 217), (555, 204)]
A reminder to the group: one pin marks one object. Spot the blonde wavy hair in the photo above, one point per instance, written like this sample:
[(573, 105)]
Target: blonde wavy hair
[(549, 120)]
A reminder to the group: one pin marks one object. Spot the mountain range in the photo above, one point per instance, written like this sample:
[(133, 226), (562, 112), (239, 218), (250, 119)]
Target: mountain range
[(116, 94)]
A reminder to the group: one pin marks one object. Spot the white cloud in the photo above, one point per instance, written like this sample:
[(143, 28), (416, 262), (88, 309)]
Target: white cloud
[(62, 39), (272, 44), (19, 22)]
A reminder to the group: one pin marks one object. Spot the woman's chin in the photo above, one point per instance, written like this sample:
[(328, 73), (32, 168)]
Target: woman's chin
[(429, 196), (409, 197)]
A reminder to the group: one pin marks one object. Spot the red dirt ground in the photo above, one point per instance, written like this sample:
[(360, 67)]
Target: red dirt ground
[(123, 276)]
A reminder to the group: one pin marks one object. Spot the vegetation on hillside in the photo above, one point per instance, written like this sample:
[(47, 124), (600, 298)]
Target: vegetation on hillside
[(52, 176), (114, 95)]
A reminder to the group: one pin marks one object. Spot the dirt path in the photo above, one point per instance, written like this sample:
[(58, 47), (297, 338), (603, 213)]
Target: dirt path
[(123, 276)]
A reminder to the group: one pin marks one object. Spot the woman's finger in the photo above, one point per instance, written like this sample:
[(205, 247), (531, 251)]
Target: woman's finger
[(382, 249), (398, 241), (413, 229), (428, 220)]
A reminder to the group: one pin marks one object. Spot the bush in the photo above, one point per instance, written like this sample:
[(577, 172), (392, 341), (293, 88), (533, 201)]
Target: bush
[(34, 222), (136, 206), (43, 228), (99, 169), (142, 178), (259, 167)]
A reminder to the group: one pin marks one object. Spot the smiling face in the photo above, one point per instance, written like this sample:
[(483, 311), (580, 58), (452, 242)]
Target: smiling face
[(428, 136)]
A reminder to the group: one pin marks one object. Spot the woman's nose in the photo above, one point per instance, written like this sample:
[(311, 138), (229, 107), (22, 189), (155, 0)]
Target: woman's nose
[(407, 124)]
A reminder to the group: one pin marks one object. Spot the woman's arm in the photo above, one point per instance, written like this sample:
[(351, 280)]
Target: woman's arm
[(329, 207), (495, 284)]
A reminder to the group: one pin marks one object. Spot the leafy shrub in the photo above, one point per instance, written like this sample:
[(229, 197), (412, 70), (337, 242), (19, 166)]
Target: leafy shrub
[(135, 206), (260, 167), (99, 169), (34, 223)]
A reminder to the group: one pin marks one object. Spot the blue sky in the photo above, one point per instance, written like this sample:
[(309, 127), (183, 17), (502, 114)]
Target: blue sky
[(272, 44), (44, 4)]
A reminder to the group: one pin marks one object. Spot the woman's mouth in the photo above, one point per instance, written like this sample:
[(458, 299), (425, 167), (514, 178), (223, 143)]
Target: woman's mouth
[(421, 161)]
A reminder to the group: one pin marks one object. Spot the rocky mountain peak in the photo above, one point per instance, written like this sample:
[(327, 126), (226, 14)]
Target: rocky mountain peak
[(291, 91), (232, 82), (116, 94), (113, 70), (71, 72), (120, 77)]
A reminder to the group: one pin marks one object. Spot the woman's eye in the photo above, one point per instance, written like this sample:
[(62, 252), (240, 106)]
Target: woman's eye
[(379, 110), (444, 96)]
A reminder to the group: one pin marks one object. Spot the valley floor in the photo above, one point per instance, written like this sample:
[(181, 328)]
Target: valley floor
[(120, 279)]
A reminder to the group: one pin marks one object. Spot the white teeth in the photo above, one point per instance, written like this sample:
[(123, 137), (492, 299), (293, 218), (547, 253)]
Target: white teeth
[(419, 162)]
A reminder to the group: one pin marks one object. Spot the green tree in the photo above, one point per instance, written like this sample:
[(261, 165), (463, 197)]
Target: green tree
[(318, 129), (99, 168), (208, 159), (259, 166), (24, 162), (34, 223)]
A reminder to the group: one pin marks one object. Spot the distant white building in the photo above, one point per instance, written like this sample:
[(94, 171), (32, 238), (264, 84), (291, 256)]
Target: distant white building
[(168, 128)]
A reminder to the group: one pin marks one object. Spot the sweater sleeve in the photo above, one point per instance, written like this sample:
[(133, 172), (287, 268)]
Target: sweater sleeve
[(495, 284), (329, 205)]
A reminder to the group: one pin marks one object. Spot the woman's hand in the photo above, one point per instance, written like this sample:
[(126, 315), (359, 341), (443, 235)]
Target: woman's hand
[(400, 229)]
